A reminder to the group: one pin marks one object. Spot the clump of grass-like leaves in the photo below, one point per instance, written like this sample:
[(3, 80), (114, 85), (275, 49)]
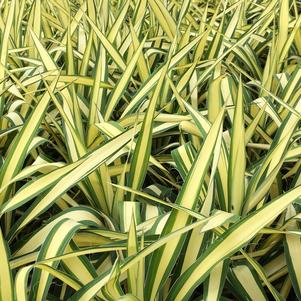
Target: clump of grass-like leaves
[(150, 150)]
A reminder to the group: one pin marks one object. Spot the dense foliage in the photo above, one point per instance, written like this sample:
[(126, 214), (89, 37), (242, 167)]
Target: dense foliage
[(150, 150)]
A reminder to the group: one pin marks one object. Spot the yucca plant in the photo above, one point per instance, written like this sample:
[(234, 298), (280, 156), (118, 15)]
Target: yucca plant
[(150, 150)]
